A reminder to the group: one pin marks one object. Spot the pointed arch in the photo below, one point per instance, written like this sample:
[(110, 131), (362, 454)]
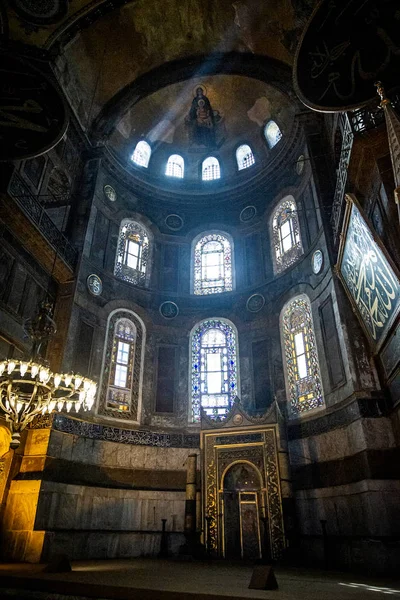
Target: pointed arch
[(302, 372), (141, 154), (214, 368)]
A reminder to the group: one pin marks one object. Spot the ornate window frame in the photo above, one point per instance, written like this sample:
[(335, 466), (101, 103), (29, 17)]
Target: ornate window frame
[(136, 374), (233, 380), (304, 394), (141, 276), (196, 264), (174, 163), (244, 157), (282, 259), (141, 154)]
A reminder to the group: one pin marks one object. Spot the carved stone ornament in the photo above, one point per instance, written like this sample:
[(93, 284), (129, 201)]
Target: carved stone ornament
[(255, 303), (174, 222), (317, 261), (94, 284), (169, 310), (110, 193), (248, 213)]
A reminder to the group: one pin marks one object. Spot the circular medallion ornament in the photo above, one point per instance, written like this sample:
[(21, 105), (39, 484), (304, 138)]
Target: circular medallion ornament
[(345, 48), (95, 285), (237, 419), (33, 116), (169, 310), (317, 261), (300, 164), (174, 222), (248, 213), (255, 303), (110, 193), (41, 12)]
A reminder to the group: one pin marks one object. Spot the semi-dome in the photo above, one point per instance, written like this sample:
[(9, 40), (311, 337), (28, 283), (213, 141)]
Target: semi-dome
[(172, 133)]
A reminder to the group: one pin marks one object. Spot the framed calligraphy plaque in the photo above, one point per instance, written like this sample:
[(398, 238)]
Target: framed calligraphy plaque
[(346, 46), (368, 276), (33, 117)]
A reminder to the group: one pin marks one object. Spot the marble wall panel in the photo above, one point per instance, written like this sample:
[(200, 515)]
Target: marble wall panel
[(80, 507), (333, 445)]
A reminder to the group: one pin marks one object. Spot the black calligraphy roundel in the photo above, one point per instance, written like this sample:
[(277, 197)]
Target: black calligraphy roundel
[(33, 117), (347, 46)]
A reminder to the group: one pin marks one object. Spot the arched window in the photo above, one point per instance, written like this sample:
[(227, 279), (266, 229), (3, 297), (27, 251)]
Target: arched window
[(287, 246), (141, 154), (214, 368), (212, 264), (210, 169), (122, 367), (132, 253), (303, 377), (272, 133), (175, 166), (244, 157)]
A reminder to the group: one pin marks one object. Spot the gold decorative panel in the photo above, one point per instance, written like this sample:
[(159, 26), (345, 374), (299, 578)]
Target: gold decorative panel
[(224, 448)]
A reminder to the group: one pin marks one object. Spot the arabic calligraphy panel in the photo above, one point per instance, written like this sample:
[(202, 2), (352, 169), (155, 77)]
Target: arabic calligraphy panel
[(369, 279), (347, 46)]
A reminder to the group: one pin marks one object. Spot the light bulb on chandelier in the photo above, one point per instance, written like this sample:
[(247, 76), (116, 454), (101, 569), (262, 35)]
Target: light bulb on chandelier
[(28, 388)]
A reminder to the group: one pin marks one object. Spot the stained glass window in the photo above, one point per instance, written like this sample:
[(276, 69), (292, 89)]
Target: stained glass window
[(214, 369), (141, 154), (302, 367), (122, 359), (212, 263), (175, 166), (210, 169), (132, 253), (272, 133), (119, 390), (286, 235), (244, 157)]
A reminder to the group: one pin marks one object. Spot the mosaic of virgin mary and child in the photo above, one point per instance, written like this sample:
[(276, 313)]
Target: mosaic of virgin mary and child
[(203, 122)]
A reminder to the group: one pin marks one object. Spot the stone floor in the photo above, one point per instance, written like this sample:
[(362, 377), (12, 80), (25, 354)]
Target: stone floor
[(147, 579)]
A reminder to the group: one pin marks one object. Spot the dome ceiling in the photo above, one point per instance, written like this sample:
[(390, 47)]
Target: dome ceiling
[(102, 47), (240, 105)]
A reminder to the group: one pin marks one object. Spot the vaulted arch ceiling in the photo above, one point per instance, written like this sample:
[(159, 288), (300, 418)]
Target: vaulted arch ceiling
[(100, 47)]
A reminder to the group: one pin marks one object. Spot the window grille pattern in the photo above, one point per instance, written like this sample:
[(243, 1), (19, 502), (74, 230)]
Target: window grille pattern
[(141, 154), (123, 352), (210, 169), (120, 384), (214, 369), (272, 133), (175, 166), (212, 265), (302, 367), (244, 157), (286, 235), (132, 253)]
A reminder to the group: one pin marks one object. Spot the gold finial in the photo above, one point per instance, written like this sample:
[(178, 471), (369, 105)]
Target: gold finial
[(381, 91)]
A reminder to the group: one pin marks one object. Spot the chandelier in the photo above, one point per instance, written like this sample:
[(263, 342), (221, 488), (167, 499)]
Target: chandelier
[(29, 388)]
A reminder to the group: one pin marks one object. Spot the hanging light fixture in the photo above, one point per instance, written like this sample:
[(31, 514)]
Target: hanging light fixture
[(28, 388)]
